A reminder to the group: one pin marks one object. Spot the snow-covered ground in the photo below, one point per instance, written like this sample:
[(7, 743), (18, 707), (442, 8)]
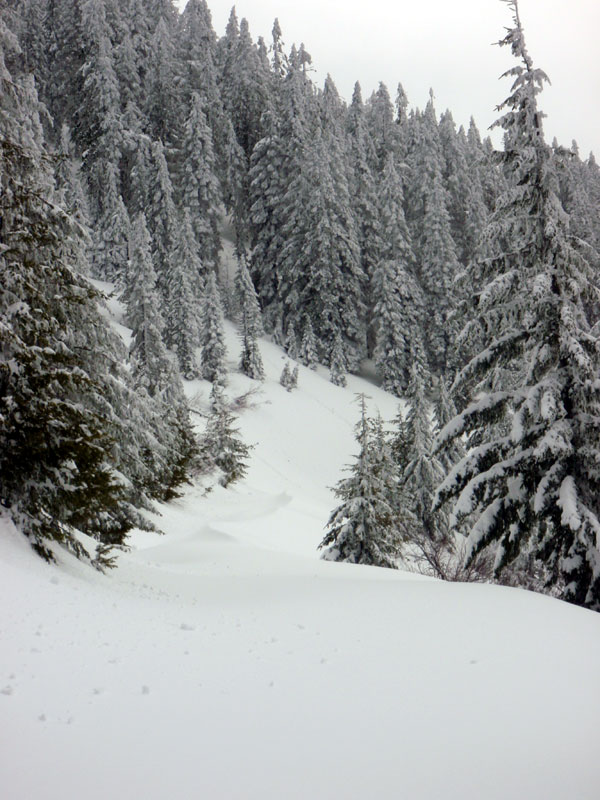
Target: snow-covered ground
[(225, 661)]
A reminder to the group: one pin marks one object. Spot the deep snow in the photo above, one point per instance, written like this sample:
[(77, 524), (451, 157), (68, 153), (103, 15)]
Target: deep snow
[(224, 660)]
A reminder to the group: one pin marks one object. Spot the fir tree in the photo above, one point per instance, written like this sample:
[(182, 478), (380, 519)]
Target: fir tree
[(221, 446), (153, 368), (162, 219), (384, 131), (267, 186), (362, 185), (338, 363), (199, 190), (150, 360), (285, 379), (251, 325), (291, 343), (320, 272), (437, 270), (163, 100), (397, 314), (361, 529), (65, 463), (212, 335), (182, 309), (532, 483), (421, 471), (308, 346), (397, 299)]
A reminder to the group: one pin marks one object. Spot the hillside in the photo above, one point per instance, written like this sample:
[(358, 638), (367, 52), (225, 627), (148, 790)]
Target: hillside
[(225, 660)]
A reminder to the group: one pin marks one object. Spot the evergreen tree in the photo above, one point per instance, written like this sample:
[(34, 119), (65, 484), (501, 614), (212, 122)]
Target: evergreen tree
[(421, 472), (197, 46), (149, 357), (291, 343), (199, 190), (251, 325), (532, 483), (338, 363), (437, 270), (221, 446), (163, 98), (279, 61), (285, 379), (320, 272), (397, 311), (267, 186), (183, 287), (384, 131), (70, 192), (212, 335), (308, 347), (397, 314), (62, 466), (162, 219), (361, 529), (362, 185), (245, 83)]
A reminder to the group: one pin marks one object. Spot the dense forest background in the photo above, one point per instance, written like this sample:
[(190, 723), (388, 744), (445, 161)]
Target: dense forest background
[(130, 132)]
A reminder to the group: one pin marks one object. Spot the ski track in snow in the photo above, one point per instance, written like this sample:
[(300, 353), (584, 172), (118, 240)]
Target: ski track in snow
[(224, 660)]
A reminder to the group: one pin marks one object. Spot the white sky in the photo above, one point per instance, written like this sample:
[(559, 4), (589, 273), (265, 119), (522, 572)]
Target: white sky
[(446, 45)]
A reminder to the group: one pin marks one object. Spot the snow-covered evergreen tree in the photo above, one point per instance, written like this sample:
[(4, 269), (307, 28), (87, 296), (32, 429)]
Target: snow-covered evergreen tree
[(163, 98), (285, 379), (421, 472), (397, 300), (291, 343), (397, 317), (221, 446), (533, 481), (308, 346), (383, 128), (183, 307), (66, 457), (250, 323), (161, 217), (212, 335), (150, 360), (363, 189), (199, 190), (362, 528), (338, 362), (320, 271)]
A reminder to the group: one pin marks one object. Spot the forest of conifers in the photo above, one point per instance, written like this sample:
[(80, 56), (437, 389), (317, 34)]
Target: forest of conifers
[(369, 230)]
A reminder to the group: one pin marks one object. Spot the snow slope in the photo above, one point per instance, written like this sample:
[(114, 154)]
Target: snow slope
[(225, 661)]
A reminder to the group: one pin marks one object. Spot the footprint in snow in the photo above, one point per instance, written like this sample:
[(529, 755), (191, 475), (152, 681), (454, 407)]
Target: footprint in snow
[(185, 627), (8, 690)]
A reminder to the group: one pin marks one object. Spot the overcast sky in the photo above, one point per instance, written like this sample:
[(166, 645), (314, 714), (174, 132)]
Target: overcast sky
[(446, 45)]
